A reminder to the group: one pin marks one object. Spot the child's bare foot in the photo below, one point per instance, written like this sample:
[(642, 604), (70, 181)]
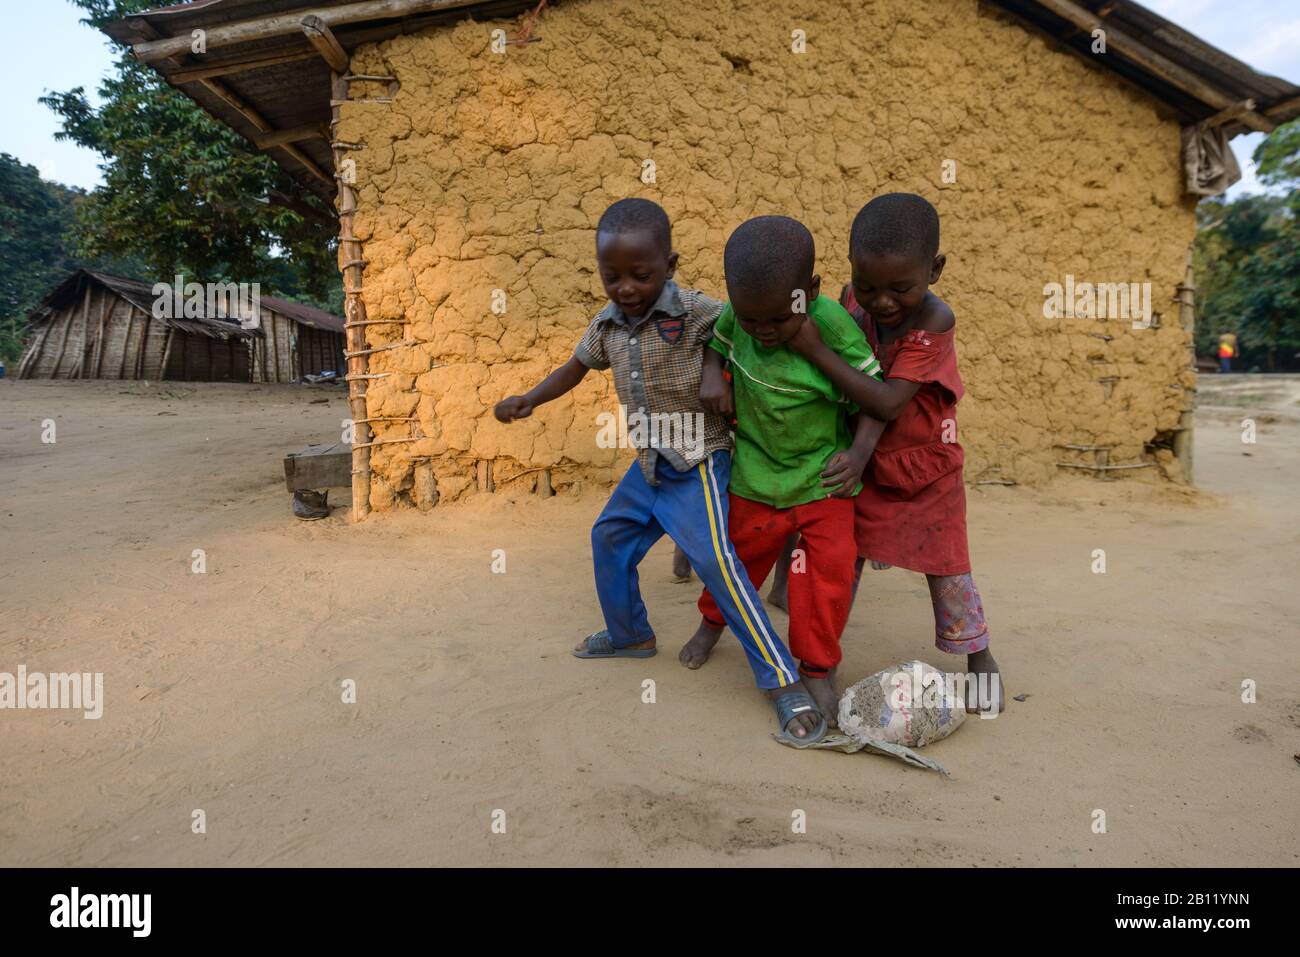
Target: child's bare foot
[(981, 663), (681, 565), (880, 566), (826, 695), (779, 595), (696, 651), (802, 724)]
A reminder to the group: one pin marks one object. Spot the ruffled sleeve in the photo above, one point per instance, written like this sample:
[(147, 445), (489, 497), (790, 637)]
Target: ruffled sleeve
[(927, 357)]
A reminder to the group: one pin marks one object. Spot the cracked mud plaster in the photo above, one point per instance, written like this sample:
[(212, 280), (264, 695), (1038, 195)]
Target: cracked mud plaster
[(489, 171)]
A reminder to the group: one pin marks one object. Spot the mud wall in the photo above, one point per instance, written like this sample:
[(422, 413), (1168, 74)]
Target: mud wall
[(488, 172)]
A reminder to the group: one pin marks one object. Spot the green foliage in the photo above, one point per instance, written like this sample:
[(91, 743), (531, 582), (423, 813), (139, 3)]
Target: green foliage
[(1277, 158), (183, 193), (36, 217), (1247, 261)]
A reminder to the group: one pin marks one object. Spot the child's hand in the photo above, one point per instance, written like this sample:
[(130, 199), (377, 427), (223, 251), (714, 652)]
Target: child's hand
[(844, 470), (807, 340), (514, 407), (715, 393)]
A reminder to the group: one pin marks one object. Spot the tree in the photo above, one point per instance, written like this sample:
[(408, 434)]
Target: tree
[(183, 193), (36, 217), (1247, 260)]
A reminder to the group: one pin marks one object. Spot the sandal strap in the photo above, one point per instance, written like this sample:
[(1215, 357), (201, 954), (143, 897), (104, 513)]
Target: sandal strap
[(793, 703), (599, 643)]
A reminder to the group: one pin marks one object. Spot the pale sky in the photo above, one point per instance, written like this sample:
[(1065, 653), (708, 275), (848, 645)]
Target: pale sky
[(49, 50)]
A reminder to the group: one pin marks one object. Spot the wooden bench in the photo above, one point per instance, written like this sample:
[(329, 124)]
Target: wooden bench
[(319, 466)]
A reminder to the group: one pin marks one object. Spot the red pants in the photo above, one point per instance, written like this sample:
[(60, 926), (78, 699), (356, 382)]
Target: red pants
[(821, 579)]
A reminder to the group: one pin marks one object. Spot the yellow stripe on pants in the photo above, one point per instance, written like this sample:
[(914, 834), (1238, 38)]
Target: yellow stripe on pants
[(726, 577)]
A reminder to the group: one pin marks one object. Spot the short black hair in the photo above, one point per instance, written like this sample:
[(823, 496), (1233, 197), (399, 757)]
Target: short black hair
[(636, 216), (896, 224), (769, 254)]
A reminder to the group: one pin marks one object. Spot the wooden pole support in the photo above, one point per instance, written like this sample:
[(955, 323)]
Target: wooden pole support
[(354, 311), (126, 341), (33, 357), (326, 44), (85, 335), (167, 353), (99, 336), (295, 134)]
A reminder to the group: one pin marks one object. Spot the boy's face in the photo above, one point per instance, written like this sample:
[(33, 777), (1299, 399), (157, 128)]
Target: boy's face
[(770, 317), (634, 267), (890, 287)]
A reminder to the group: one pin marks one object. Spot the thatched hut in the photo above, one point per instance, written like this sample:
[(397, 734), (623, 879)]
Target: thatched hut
[(97, 326), (1064, 143)]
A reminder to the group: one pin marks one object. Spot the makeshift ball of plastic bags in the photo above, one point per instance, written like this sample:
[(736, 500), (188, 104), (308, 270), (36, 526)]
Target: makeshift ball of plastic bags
[(910, 704)]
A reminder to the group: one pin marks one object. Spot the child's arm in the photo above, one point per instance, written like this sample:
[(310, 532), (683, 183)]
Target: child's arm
[(562, 380), (715, 393), (845, 468), (879, 400), (883, 400)]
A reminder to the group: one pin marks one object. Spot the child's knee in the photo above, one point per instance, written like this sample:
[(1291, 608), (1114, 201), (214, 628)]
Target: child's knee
[(604, 537)]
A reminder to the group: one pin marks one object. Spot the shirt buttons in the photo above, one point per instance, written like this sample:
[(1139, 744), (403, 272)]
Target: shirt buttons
[(634, 375), (631, 342)]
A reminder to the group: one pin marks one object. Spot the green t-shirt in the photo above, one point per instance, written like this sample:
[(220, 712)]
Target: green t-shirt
[(790, 418)]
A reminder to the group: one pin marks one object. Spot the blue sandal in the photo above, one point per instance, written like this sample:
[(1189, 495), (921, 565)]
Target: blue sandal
[(600, 645), (789, 705)]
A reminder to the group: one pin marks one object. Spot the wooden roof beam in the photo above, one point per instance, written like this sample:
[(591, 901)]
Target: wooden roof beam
[(1153, 62), (326, 43), (1234, 112), (285, 24), (1282, 111), (1074, 29), (262, 126), (239, 65), (295, 134)]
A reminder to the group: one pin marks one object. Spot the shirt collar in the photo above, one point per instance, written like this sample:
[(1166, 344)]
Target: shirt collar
[(669, 303)]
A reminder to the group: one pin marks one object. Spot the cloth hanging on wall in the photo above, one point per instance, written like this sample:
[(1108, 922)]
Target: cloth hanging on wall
[(1209, 167)]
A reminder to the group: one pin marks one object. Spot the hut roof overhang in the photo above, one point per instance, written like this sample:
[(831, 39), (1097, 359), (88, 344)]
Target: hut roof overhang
[(142, 295), (268, 78)]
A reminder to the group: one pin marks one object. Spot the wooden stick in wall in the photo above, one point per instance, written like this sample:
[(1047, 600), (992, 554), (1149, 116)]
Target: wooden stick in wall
[(167, 351), (275, 346), (99, 335), (126, 341), (140, 349), (33, 357), (85, 334)]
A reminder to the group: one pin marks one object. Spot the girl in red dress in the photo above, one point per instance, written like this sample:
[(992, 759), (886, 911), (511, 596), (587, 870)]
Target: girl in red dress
[(911, 511)]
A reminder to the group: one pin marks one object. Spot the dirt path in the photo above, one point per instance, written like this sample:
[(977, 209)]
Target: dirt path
[(223, 689)]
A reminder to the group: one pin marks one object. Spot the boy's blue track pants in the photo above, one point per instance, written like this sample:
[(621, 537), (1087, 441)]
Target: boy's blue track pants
[(691, 507)]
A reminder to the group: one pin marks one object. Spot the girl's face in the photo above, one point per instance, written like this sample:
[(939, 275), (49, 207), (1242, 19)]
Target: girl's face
[(634, 267), (890, 286)]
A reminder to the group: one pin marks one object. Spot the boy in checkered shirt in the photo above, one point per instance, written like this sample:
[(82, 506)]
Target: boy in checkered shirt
[(653, 336)]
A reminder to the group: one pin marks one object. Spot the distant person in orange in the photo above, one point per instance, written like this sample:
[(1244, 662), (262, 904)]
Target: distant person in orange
[(1227, 350)]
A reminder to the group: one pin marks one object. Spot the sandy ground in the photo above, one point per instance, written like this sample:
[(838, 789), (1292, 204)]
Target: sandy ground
[(223, 690)]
